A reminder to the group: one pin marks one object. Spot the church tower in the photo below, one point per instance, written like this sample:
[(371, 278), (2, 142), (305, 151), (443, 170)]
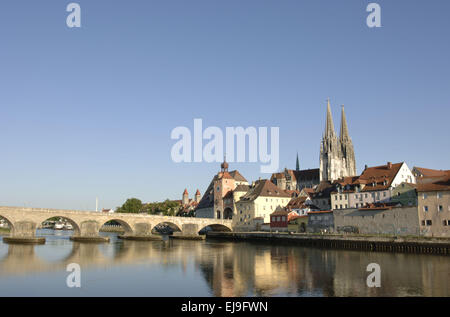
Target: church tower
[(337, 157), (348, 153), (185, 198)]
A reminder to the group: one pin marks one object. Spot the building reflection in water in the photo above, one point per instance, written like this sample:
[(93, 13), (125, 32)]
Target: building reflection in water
[(245, 269)]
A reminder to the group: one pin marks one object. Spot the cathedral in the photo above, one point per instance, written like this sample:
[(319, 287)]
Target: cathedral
[(337, 156)]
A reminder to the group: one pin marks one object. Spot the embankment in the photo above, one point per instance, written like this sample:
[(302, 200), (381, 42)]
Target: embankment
[(354, 242)]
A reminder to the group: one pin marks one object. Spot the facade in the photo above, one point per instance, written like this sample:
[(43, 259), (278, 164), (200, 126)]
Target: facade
[(433, 197), (262, 199), (320, 221), (221, 195), (298, 224), (383, 220), (279, 220), (321, 196), (405, 194), (337, 156)]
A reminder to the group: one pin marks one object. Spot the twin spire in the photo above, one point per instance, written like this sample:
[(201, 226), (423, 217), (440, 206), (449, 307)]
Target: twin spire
[(329, 126)]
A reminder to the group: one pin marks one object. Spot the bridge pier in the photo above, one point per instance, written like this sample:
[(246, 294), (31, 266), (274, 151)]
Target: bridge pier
[(89, 232), (189, 231), (23, 232), (142, 232)]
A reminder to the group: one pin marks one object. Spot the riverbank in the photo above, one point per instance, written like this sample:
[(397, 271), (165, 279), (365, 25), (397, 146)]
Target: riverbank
[(407, 244)]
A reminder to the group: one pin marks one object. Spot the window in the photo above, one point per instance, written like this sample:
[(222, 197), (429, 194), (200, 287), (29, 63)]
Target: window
[(384, 194), (357, 205), (340, 206), (340, 197), (423, 222), (425, 208), (439, 195), (424, 196), (335, 207), (428, 222), (445, 223), (440, 208)]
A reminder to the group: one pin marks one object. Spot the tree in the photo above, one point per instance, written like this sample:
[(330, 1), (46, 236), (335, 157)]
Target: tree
[(132, 205)]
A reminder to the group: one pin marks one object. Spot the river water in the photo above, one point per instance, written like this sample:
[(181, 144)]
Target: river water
[(212, 268)]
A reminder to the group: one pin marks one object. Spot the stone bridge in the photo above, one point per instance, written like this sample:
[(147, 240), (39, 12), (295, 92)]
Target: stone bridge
[(23, 223)]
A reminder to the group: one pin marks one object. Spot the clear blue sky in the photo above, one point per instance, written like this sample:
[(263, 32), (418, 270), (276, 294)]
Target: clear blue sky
[(88, 112)]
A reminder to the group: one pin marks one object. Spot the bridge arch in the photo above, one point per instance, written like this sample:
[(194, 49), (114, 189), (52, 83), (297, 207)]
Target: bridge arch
[(75, 226), (9, 222), (175, 227), (125, 225), (215, 227)]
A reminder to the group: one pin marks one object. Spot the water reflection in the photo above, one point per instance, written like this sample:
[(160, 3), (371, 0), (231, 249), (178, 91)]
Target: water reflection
[(234, 269)]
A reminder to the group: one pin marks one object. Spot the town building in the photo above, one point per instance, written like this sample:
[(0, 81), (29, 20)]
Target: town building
[(405, 194), (279, 219), (187, 205), (374, 185), (320, 221), (296, 179), (337, 156), (221, 195), (262, 199), (298, 224), (433, 206)]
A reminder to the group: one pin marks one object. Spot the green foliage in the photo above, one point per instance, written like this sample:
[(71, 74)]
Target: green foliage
[(166, 208), (132, 205)]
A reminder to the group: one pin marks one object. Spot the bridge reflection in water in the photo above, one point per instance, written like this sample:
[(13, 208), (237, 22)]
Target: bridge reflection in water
[(228, 269)]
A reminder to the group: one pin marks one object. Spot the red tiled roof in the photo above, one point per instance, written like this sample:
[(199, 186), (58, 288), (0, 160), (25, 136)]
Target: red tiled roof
[(225, 175), (378, 175), (237, 176), (280, 212), (428, 172), (264, 188), (433, 184)]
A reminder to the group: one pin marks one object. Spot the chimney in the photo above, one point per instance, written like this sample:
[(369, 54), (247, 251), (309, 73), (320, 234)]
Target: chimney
[(389, 165), (365, 167)]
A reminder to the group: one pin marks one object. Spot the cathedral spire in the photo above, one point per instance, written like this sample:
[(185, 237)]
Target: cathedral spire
[(344, 129), (297, 164), (329, 126)]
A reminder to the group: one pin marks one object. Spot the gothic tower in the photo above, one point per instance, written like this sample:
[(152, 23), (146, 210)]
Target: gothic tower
[(348, 153), (337, 157)]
